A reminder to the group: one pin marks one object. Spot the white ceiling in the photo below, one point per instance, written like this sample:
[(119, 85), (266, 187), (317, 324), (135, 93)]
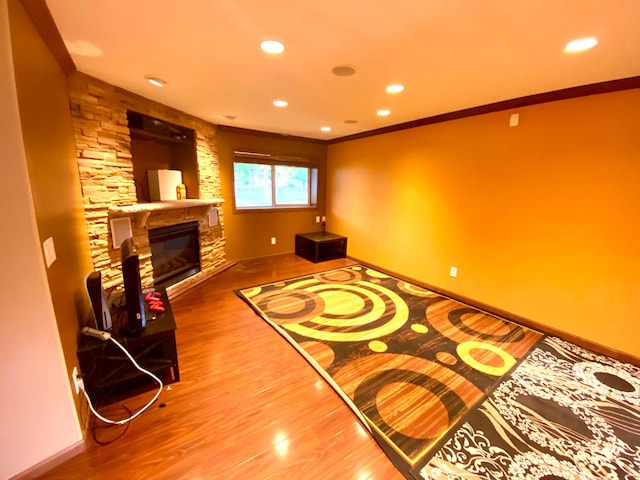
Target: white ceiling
[(449, 54)]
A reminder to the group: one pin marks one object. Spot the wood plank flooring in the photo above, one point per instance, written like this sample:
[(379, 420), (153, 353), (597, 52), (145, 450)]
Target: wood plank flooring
[(247, 406)]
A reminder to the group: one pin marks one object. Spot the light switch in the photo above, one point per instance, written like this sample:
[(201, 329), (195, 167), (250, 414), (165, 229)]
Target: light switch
[(49, 251)]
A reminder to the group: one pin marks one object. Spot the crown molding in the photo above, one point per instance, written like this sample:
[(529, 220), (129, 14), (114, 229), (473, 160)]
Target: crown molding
[(563, 94)]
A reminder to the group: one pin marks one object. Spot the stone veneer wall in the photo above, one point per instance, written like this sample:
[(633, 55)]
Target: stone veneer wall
[(105, 163)]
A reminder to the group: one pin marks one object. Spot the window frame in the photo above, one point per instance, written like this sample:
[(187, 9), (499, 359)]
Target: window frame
[(277, 161)]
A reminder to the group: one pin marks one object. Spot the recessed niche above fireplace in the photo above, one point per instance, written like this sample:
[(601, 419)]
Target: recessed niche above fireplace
[(160, 145)]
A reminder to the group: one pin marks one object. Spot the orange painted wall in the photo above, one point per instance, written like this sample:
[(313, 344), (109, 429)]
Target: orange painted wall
[(43, 99), (37, 415), (542, 220), (248, 234)]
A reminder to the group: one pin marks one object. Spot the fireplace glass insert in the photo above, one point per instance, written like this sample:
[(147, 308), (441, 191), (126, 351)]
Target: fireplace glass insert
[(175, 253)]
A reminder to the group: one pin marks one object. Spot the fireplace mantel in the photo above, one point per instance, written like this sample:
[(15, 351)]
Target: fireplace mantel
[(141, 211)]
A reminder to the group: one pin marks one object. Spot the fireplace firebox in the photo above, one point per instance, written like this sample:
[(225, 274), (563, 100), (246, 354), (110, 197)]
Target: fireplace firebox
[(175, 253)]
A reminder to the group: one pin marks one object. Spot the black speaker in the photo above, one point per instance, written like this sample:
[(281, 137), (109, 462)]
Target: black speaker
[(99, 304), (132, 288)]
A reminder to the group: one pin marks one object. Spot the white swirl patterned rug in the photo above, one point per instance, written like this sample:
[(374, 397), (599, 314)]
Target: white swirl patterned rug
[(565, 413)]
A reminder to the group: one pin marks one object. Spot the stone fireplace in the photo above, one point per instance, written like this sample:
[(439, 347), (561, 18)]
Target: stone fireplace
[(111, 189), (175, 252)]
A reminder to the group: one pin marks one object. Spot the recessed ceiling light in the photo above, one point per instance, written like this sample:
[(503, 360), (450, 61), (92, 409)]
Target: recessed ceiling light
[(230, 117), (272, 46), (280, 103), (343, 70), (395, 88), (580, 44), (384, 112), (155, 81), (351, 121), (325, 129)]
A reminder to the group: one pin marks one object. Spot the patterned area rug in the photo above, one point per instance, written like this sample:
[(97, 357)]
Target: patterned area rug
[(409, 362), (564, 413)]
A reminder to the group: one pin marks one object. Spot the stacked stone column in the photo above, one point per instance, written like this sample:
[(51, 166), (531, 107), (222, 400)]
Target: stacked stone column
[(105, 164)]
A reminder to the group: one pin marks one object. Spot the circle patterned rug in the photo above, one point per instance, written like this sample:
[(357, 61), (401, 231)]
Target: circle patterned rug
[(409, 362)]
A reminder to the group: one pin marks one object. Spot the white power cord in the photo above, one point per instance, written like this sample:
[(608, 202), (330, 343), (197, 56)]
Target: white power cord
[(107, 336)]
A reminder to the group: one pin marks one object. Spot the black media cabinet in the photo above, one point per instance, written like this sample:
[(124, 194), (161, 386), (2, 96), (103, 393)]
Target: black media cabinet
[(320, 246), (109, 375)]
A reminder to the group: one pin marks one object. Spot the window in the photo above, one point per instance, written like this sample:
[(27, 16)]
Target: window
[(270, 182)]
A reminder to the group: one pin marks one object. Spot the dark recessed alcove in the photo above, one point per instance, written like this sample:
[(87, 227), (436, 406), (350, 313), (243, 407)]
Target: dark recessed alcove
[(160, 145)]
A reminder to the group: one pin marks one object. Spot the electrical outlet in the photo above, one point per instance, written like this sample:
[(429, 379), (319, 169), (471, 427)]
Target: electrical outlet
[(453, 272), (77, 379), (273, 240)]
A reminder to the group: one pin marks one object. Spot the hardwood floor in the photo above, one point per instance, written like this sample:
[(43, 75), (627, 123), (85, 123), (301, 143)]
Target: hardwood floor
[(247, 406)]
